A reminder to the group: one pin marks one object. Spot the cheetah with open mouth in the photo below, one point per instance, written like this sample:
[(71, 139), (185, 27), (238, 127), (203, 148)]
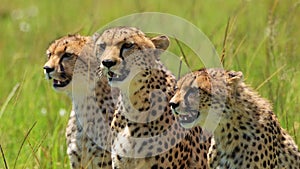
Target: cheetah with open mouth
[(145, 132), (72, 65), (246, 132)]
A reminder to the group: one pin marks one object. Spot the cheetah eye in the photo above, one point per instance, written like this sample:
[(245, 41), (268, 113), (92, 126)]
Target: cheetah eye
[(175, 88), (48, 54), (102, 46), (191, 93), (127, 45), (66, 56)]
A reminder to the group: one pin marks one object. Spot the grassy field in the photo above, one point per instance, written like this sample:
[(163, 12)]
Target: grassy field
[(262, 40)]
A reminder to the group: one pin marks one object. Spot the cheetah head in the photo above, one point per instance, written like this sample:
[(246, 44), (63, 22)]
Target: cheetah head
[(62, 55), (201, 96), (125, 51)]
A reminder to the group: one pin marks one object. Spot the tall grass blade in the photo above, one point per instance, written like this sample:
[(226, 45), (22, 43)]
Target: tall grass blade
[(25, 138), (11, 94), (3, 155), (224, 42), (184, 57), (270, 77), (35, 149)]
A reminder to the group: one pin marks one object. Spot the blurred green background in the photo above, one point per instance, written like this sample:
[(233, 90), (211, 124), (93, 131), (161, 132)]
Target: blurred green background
[(262, 40)]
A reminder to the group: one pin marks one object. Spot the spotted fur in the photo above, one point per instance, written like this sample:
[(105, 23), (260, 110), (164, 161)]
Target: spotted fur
[(71, 64), (246, 132), (146, 133)]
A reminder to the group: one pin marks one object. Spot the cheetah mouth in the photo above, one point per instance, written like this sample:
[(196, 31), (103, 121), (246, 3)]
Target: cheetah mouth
[(59, 83), (189, 117), (117, 77)]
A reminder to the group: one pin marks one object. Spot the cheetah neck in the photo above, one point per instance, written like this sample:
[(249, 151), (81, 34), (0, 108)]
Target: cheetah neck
[(244, 115), (138, 120), (147, 96), (94, 108)]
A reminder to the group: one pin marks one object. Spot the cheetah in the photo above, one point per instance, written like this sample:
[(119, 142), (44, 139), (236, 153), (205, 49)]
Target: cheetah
[(71, 65), (145, 132), (246, 132)]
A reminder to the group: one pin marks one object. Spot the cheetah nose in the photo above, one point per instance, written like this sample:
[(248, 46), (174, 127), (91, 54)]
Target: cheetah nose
[(173, 105), (109, 63), (48, 69)]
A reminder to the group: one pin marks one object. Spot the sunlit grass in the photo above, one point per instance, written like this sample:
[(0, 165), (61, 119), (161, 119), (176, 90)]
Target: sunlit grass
[(262, 41)]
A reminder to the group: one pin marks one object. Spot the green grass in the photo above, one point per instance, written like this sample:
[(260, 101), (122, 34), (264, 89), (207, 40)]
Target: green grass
[(262, 41)]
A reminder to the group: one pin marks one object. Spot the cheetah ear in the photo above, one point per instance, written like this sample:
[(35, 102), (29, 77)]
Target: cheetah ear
[(234, 77), (161, 42)]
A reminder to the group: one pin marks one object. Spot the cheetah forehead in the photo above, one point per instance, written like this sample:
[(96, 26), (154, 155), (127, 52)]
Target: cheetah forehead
[(70, 43), (198, 79), (118, 35), (121, 32), (210, 79), (186, 82)]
